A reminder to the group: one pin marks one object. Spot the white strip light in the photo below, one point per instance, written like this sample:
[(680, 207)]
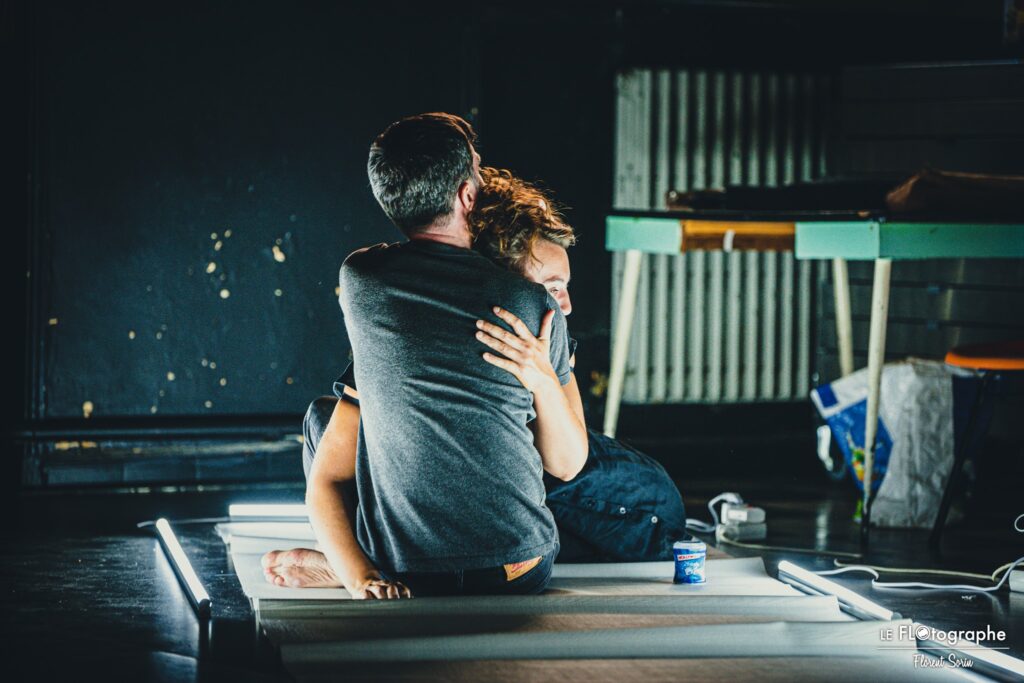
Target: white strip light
[(863, 607), (183, 568), (266, 511)]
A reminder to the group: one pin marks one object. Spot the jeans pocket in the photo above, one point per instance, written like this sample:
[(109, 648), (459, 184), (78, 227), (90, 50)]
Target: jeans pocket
[(615, 530), (533, 581)]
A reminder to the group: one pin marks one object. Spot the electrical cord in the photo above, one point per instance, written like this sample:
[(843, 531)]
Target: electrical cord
[(728, 497), (994, 576), (875, 583)]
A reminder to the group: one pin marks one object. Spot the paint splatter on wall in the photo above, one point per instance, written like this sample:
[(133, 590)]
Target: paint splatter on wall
[(208, 225)]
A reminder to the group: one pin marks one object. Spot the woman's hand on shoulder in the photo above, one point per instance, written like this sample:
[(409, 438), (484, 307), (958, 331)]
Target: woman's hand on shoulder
[(522, 354)]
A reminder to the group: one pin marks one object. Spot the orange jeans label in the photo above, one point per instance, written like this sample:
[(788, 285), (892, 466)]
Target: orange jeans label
[(516, 569)]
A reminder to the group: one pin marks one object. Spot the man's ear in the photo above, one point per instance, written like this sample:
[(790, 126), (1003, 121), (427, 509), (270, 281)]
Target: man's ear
[(466, 196)]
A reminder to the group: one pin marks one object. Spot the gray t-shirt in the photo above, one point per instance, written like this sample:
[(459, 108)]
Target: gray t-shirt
[(446, 470), (347, 378)]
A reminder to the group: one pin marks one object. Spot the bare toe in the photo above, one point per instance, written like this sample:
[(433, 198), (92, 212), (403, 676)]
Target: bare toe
[(269, 559)]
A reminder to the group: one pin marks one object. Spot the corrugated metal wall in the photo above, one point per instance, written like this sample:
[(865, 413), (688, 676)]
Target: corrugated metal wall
[(713, 326)]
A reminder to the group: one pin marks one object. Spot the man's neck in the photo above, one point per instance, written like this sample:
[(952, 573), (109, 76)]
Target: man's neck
[(460, 239)]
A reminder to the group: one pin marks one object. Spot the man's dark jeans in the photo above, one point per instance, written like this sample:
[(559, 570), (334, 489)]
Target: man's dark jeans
[(490, 581), (622, 507)]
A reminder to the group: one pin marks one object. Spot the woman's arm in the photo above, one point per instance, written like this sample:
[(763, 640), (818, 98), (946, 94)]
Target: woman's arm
[(560, 433), (331, 501)]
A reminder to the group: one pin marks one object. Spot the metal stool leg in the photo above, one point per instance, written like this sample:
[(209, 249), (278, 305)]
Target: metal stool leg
[(959, 456)]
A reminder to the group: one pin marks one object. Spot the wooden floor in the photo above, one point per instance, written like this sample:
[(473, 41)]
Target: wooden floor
[(88, 595)]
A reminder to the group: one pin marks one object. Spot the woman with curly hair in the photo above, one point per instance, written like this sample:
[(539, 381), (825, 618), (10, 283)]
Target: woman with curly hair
[(622, 506)]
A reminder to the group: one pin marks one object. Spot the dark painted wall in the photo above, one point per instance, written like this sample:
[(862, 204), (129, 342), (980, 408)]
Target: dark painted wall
[(205, 176), (157, 127)]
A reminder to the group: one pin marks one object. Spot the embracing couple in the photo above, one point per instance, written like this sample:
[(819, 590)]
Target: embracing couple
[(454, 458)]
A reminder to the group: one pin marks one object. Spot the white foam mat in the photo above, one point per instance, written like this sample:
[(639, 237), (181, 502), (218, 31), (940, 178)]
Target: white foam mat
[(726, 577), (737, 577)]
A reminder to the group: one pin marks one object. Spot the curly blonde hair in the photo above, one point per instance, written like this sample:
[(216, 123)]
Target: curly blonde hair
[(510, 216)]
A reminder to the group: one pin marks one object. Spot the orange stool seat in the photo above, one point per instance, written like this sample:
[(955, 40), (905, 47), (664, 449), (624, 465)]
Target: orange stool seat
[(1008, 355)]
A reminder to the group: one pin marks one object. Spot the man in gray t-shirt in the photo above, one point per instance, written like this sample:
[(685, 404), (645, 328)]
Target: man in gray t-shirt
[(433, 484), (447, 472)]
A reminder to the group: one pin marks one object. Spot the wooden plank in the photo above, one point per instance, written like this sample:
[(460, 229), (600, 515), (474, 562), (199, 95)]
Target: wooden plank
[(738, 235)]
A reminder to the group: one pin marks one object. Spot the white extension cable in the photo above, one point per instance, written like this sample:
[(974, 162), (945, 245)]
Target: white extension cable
[(1005, 570), (727, 497)]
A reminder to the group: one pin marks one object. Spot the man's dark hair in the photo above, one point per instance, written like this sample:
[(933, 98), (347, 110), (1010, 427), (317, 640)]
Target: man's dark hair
[(417, 165)]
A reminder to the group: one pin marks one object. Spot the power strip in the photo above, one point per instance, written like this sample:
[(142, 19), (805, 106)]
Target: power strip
[(741, 513), (747, 531), (737, 522), (741, 522), (1017, 581)]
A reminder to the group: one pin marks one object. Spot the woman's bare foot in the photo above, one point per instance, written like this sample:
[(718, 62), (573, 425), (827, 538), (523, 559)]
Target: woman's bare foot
[(299, 568)]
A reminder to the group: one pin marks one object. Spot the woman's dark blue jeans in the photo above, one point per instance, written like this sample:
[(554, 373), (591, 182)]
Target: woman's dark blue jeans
[(623, 507)]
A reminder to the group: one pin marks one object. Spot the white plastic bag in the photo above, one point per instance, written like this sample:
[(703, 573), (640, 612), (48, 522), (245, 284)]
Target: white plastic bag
[(914, 449)]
